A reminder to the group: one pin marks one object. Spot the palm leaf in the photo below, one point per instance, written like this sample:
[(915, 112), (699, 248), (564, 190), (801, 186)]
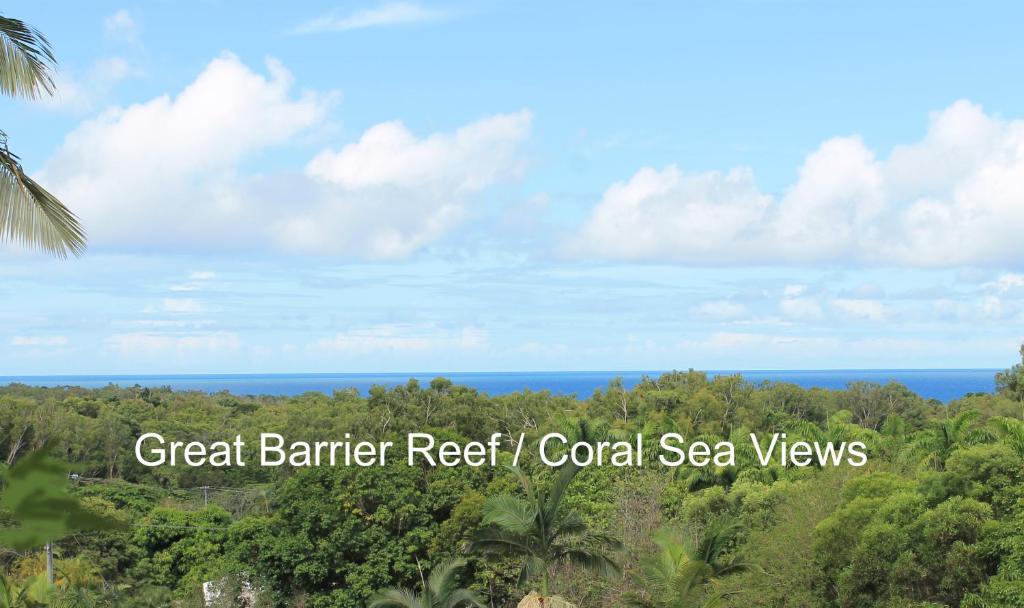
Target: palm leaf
[(442, 577), (592, 559), (509, 513), (31, 216), (395, 598), (499, 542), (25, 60), (461, 598), (558, 489)]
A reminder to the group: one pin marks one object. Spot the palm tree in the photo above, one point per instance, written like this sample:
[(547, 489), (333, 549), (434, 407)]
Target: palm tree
[(540, 529), (677, 575), (1009, 431), (941, 437), (26, 595), (29, 214), (440, 590)]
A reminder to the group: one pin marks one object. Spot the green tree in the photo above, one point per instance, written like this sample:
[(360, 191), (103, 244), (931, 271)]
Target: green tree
[(540, 529), (1010, 382), (29, 214), (932, 447), (439, 590), (678, 574), (25, 595)]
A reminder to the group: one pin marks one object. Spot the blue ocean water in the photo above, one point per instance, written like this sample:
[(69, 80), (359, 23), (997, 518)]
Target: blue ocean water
[(941, 384)]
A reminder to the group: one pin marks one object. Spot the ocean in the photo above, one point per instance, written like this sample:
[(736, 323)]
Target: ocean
[(941, 384)]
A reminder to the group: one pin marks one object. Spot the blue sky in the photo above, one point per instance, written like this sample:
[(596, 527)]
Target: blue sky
[(427, 186)]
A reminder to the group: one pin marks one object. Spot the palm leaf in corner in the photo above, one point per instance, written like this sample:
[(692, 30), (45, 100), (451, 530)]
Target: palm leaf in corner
[(29, 214)]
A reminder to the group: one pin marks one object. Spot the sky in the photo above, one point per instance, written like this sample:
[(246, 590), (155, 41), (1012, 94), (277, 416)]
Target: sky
[(482, 186)]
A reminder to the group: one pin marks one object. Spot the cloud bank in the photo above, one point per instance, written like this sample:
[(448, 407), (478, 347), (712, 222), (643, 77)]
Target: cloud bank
[(165, 174), (954, 198)]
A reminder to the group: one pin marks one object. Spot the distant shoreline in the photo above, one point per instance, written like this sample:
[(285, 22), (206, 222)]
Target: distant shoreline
[(941, 384)]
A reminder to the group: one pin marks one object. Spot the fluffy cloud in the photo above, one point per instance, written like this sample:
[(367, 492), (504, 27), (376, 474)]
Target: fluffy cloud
[(391, 193), (165, 174), (953, 198)]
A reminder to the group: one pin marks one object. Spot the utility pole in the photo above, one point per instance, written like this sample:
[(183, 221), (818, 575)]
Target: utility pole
[(49, 563)]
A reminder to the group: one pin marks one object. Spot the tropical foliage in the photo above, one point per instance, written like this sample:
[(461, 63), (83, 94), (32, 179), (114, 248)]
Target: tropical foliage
[(936, 518), (29, 214), (439, 590)]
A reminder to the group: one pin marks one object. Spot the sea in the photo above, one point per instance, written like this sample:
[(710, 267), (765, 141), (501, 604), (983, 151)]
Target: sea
[(942, 384)]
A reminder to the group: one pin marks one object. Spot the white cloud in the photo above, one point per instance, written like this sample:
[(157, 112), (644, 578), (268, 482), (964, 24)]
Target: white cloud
[(391, 193), (729, 341), (1006, 283), (952, 198), (395, 13), (801, 308), (719, 309), (196, 281), (164, 174), (81, 93), (399, 338), (182, 305), (159, 173), (155, 345), (39, 341), (793, 291), (121, 26), (871, 310)]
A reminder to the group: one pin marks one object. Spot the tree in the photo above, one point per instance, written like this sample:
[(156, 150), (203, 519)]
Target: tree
[(1010, 382), (933, 446), (539, 529), (20, 596), (29, 214), (439, 590), (677, 575)]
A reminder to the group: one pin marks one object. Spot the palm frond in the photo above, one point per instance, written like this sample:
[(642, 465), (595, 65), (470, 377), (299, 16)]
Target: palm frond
[(532, 566), (26, 60), (463, 598), (499, 542), (31, 216), (688, 581), (442, 577), (395, 598), (593, 559), (558, 489), (509, 513)]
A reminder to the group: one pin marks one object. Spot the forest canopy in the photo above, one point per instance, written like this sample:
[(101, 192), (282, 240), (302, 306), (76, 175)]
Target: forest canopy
[(934, 518)]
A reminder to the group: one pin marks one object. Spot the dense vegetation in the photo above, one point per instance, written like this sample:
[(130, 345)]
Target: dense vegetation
[(935, 519)]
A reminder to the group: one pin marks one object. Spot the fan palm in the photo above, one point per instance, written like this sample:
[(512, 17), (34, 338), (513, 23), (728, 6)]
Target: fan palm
[(540, 529), (677, 575), (440, 590), (29, 214)]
